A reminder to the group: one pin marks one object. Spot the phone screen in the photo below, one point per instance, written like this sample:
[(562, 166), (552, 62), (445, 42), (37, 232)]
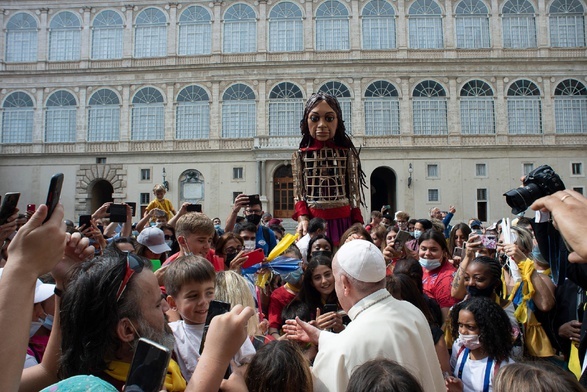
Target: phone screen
[(330, 308), (401, 238), (117, 213), (194, 208), (53, 194), (148, 368), (254, 200), (85, 220), (214, 309), (133, 207)]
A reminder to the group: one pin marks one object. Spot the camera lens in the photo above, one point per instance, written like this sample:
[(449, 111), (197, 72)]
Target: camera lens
[(521, 198)]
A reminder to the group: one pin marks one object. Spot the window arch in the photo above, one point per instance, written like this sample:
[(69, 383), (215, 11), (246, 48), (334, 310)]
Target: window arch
[(21, 38), (195, 31), (17, 118), (567, 23), (570, 107), (240, 29), (472, 24), (286, 30), (148, 117), (378, 25), (381, 109), (64, 37), (286, 107), (107, 35), (192, 113), (425, 22), (429, 105), (60, 117), (151, 33), (104, 116), (343, 95), (239, 111), (477, 108), (519, 24), (524, 108), (332, 26)]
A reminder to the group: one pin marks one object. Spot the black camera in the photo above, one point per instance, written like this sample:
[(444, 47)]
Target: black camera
[(540, 182)]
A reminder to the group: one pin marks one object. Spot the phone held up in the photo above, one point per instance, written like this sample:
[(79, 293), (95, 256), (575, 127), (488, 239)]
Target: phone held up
[(215, 308), (53, 194), (194, 208), (148, 368), (8, 206)]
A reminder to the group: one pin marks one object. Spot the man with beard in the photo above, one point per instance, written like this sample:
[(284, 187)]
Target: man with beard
[(110, 302)]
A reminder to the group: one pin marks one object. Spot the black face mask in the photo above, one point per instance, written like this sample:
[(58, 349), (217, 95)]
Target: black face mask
[(325, 253), (254, 219), (475, 292), (228, 259)]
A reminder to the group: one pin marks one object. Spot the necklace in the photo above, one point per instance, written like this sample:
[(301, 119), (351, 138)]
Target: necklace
[(371, 304)]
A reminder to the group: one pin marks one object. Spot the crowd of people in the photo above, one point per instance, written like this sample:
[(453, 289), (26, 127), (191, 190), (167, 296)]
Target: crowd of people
[(396, 306)]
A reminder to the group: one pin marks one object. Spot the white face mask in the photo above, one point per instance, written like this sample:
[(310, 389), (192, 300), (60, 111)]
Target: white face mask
[(48, 323), (470, 341), (430, 264), (35, 325), (250, 245), (417, 234)]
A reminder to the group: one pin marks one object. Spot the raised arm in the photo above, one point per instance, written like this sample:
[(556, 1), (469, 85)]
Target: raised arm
[(240, 201)]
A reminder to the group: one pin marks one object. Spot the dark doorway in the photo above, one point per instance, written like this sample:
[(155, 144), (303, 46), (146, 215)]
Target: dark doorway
[(283, 197), (101, 193), (383, 189)]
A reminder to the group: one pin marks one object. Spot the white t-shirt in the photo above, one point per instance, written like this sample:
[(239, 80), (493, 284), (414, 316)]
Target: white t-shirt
[(187, 347), (473, 375)]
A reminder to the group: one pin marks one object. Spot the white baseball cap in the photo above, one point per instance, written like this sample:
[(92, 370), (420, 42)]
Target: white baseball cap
[(362, 260), (154, 239)]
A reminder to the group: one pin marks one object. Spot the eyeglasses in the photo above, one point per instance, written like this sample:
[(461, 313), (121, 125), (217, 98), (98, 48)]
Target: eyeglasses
[(232, 250), (133, 264)]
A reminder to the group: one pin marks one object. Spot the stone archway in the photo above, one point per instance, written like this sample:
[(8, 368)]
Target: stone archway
[(91, 183)]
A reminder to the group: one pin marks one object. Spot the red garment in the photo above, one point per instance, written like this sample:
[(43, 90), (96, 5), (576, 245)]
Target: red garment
[(280, 298), (216, 261), (437, 284)]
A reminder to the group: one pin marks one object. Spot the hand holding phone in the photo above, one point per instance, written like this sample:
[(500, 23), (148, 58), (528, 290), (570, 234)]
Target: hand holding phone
[(194, 208), (330, 308), (149, 367), (54, 194), (8, 206)]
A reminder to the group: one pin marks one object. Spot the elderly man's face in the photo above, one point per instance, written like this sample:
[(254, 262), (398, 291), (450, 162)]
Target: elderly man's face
[(344, 301)]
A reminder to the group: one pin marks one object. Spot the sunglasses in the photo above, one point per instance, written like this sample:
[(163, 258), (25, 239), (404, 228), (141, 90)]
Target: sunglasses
[(233, 250), (133, 264)]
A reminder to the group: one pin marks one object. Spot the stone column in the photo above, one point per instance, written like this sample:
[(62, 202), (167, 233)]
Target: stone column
[(81, 118), (43, 37), (2, 41), (501, 121), (548, 119), (355, 26), (262, 117), (449, 25), (85, 50), (405, 107), (453, 112), (542, 37), (495, 26), (169, 111), (39, 117), (402, 25), (125, 115), (309, 27), (215, 115)]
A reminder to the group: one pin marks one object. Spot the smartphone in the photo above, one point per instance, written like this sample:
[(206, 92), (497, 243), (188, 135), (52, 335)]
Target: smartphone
[(194, 208), (31, 208), (215, 308), (149, 367), (53, 194), (8, 206), (458, 252), (489, 241), (254, 199), (133, 207), (255, 257), (85, 220), (401, 238), (330, 308), (117, 213)]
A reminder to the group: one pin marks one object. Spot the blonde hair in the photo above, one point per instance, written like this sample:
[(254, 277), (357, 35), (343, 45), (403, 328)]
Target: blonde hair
[(535, 377), (159, 187), (233, 288), (192, 223)]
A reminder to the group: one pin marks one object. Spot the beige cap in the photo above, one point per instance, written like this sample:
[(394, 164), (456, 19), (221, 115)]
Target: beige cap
[(362, 260)]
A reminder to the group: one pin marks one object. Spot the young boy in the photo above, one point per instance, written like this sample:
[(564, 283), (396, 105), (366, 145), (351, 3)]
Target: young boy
[(161, 202), (189, 282)]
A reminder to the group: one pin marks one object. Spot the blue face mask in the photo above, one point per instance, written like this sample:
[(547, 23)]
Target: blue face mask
[(417, 234), (48, 323), (293, 277), (430, 264), (536, 255)]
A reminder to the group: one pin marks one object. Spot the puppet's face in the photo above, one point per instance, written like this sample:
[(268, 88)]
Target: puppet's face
[(322, 122)]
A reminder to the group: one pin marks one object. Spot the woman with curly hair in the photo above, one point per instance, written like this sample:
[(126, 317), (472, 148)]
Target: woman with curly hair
[(483, 344)]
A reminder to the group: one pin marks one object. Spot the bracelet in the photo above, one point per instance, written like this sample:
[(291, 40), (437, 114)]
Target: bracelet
[(57, 292)]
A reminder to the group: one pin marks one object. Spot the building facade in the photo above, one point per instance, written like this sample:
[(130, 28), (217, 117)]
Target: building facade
[(450, 101)]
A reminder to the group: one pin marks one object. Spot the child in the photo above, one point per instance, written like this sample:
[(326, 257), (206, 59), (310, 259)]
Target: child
[(484, 344), (189, 282), (161, 202), (328, 179)]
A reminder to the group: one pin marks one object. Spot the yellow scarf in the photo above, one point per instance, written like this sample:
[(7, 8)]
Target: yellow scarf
[(174, 381)]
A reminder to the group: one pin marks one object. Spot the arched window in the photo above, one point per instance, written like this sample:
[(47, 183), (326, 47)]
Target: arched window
[(425, 21), (60, 117), (472, 18), (570, 107), (378, 25), (104, 116), (286, 30), (343, 95), (524, 108), (240, 29), (17, 118), (567, 23), (286, 107), (148, 117), (64, 37), (192, 114), (195, 31), (381, 109), (107, 36), (151, 33), (21, 39), (430, 109), (519, 25), (477, 109), (332, 26), (239, 111)]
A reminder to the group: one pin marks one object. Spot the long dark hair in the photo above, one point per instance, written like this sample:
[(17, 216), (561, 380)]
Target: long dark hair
[(308, 293)]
